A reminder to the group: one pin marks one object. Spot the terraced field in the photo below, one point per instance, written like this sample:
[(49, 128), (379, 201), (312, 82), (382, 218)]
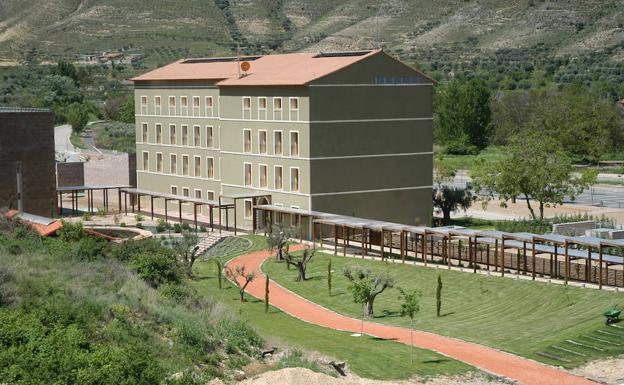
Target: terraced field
[(554, 324)]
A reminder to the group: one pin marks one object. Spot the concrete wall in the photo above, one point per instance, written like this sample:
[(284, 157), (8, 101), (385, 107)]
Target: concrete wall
[(28, 137)]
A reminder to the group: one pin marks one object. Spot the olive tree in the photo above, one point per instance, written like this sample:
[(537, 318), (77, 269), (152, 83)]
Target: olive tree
[(241, 277), (300, 262), (278, 240), (410, 305), (366, 286)]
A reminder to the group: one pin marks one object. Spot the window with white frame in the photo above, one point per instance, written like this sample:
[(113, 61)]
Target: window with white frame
[(143, 105), (144, 129), (157, 106), (262, 108), (262, 141), (294, 179), (210, 167), (278, 146), (208, 106), (247, 171), (209, 137), (174, 190), (197, 166), (173, 135), (197, 136), (294, 143), (172, 105), (295, 218), (186, 192), (198, 195), (173, 164), (246, 140), (248, 209), (277, 108), (158, 133), (246, 107), (183, 106), (264, 175), (145, 161), (278, 178), (185, 165), (196, 106), (210, 195), (294, 108), (159, 162), (185, 135)]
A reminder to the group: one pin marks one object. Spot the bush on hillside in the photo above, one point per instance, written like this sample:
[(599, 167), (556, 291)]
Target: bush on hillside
[(157, 269)]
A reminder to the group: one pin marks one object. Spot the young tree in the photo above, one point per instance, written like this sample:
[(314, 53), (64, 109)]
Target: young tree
[(463, 115), (186, 249), (409, 307), (266, 294), (439, 296), (241, 278), (536, 169), (219, 267), (300, 262), (329, 276), (278, 240), (366, 286)]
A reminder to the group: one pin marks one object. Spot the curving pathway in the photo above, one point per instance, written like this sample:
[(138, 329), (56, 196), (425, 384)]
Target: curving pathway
[(490, 360)]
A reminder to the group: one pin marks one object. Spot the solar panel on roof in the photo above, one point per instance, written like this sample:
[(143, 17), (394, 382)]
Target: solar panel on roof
[(341, 54), (220, 59)]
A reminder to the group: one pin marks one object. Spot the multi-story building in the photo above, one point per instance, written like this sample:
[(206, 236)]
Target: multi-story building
[(344, 132)]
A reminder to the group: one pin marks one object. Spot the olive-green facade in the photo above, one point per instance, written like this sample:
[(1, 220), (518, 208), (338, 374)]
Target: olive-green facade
[(355, 142)]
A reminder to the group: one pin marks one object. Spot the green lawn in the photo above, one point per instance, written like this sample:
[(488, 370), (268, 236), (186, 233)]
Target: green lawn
[(465, 162), (367, 356), (521, 317)]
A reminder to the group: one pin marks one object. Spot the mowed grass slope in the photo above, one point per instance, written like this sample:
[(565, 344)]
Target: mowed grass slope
[(520, 317), (368, 357)]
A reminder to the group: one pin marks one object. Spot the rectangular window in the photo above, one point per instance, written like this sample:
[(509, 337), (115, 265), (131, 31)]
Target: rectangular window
[(208, 105), (143, 105), (174, 190), (294, 179), (145, 161), (246, 107), (262, 141), (173, 164), (210, 168), (294, 144), (144, 133), (246, 140), (294, 220), (159, 133), (262, 108), (157, 106), (159, 162), (294, 108), (196, 106), (210, 195), (172, 106), (263, 175), (184, 106), (247, 170), (198, 195), (185, 135), (185, 165), (185, 191), (173, 137), (209, 137), (277, 143), (248, 209), (197, 136), (277, 108), (198, 166), (279, 177)]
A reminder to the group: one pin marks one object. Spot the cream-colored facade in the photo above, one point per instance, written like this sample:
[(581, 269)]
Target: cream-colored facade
[(355, 142)]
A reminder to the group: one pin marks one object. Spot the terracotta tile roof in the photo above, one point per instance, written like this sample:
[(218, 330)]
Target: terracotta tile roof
[(44, 230), (279, 70)]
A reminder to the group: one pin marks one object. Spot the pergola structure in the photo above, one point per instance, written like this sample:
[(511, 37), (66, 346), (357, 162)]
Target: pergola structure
[(196, 202), (235, 197), (535, 254), (89, 189)]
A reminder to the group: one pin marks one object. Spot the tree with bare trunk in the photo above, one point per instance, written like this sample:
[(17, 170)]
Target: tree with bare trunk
[(278, 240), (300, 262), (409, 307), (186, 249), (241, 278), (366, 286)]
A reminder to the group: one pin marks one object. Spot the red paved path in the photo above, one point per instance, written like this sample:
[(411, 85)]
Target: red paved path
[(490, 360)]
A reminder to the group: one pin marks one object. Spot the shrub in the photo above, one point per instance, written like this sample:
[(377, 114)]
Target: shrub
[(71, 231), (203, 229), (102, 212), (89, 249), (157, 268), (14, 249), (177, 293), (139, 217), (160, 228), (239, 337), (139, 225), (126, 250), (185, 226), (177, 228), (87, 216), (122, 224), (195, 341)]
